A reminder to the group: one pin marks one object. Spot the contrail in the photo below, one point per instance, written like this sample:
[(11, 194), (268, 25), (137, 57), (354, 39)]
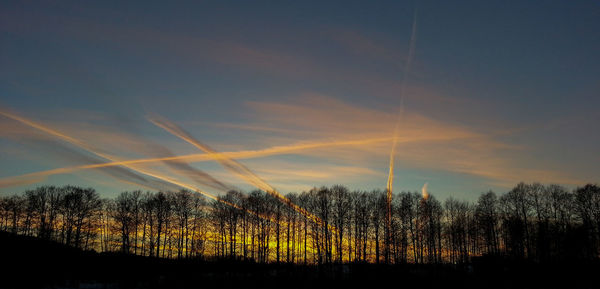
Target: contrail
[(411, 52), (121, 173), (237, 168), (29, 178), (197, 175), (233, 166), (90, 149), (390, 181), (424, 192)]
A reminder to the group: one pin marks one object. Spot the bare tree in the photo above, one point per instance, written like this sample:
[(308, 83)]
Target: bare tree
[(122, 214), (487, 216), (13, 210), (541, 223), (588, 209), (456, 230), (183, 211), (341, 212)]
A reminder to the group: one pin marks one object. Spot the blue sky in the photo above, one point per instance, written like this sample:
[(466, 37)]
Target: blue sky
[(496, 92)]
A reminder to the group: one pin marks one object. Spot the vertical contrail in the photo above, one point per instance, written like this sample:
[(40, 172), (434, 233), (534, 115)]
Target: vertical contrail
[(411, 52), (424, 192), (390, 181)]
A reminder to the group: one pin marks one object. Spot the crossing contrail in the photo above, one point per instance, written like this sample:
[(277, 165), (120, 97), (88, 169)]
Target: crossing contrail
[(232, 165), (94, 151), (183, 167), (276, 150)]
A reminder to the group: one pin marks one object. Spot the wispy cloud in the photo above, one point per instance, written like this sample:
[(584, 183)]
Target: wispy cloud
[(337, 140), (425, 142)]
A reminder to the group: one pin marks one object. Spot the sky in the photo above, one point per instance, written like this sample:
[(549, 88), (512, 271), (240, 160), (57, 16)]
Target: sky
[(299, 94)]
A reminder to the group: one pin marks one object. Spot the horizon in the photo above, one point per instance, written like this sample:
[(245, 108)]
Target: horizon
[(291, 96)]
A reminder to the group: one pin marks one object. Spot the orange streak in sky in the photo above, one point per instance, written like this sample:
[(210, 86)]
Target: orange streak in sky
[(234, 166), (390, 181), (23, 179), (88, 148)]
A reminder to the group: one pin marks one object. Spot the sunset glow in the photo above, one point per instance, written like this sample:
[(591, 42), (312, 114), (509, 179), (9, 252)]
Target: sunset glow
[(299, 144)]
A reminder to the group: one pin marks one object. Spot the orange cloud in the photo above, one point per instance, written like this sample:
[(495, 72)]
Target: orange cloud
[(424, 142), (329, 132)]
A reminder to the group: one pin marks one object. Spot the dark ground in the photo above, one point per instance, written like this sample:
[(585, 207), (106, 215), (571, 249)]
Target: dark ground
[(34, 263)]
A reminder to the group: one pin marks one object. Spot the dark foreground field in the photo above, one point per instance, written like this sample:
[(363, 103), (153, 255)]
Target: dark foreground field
[(51, 265)]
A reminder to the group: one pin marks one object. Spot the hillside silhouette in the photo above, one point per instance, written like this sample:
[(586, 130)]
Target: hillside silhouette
[(534, 236), (36, 263)]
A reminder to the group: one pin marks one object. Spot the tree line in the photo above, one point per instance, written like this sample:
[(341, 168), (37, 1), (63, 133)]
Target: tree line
[(542, 223)]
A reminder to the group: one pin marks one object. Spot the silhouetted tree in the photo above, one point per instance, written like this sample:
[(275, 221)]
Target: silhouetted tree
[(487, 217), (587, 200), (341, 211), (531, 221)]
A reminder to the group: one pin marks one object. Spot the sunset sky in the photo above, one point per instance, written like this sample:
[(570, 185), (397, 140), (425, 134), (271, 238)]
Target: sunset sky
[(302, 93)]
